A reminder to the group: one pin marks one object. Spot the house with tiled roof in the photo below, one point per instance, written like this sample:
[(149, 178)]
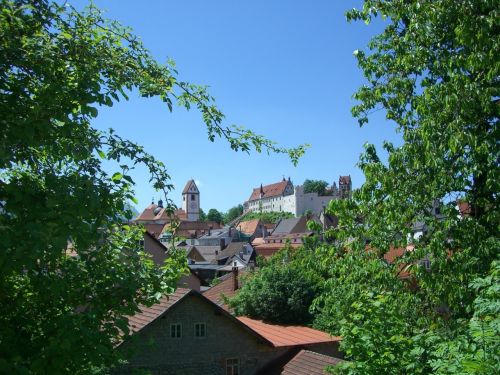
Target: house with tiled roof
[(189, 334), (240, 252), (157, 214), (226, 287), (277, 197), (307, 362), (251, 229)]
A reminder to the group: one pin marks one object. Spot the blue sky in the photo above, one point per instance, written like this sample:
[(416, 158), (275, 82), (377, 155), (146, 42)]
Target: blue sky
[(281, 68)]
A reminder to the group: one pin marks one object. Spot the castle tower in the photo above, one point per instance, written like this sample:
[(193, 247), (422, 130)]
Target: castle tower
[(191, 201), (345, 187)]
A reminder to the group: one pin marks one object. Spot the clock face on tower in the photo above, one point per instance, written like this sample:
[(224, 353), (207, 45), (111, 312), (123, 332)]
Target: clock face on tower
[(192, 205)]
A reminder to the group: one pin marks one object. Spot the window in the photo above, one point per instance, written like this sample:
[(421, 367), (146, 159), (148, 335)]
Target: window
[(200, 330), (232, 366), (192, 197), (176, 331)]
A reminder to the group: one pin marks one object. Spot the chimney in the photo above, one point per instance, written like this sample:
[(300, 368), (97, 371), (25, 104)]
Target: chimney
[(209, 230), (235, 276), (230, 232), (160, 203)]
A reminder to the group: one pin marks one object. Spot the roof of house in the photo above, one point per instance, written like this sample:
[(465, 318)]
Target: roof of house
[(464, 208), (148, 314), (225, 288), (249, 226), (271, 190), (292, 225), (149, 214), (283, 336), (270, 226), (231, 249), (216, 233), (309, 363), (154, 229), (208, 252), (269, 249), (190, 229)]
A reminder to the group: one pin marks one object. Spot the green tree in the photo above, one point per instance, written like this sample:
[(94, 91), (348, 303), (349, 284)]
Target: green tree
[(315, 186), (434, 71), (62, 309), (214, 215), (233, 213), (203, 215), (281, 291)]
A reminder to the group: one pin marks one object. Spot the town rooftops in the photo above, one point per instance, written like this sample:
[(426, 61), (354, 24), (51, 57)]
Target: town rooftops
[(309, 363), (154, 229), (273, 335), (285, 336), (268, 191)]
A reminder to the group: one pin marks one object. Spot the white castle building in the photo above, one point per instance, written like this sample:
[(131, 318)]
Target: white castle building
[(284, 197)]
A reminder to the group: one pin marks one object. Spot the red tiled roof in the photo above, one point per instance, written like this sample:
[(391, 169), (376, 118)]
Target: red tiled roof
[(224, 288), (269, 190), (154, 229), (269, 249), (148, 314), (464, 208), (249, 226), (149, 214), (309, 363), (283, 336)]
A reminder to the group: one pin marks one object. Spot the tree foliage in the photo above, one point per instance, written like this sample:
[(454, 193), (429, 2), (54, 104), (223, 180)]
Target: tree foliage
[(214, 215), (62, 309), (280, 291), (315, 186), (203, 215), (434, 71), (233, 213), (267, 217)]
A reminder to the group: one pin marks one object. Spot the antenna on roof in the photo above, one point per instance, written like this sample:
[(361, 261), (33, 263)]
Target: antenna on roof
[(152, 200)]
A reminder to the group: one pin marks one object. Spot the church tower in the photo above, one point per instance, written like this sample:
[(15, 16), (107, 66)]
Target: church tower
[(191, 201)]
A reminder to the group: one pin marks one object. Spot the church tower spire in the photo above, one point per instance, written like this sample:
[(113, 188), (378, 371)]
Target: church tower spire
[(191, 201)]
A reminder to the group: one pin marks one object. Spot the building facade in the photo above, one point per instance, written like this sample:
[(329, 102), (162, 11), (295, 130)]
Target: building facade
[(284, 197)]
